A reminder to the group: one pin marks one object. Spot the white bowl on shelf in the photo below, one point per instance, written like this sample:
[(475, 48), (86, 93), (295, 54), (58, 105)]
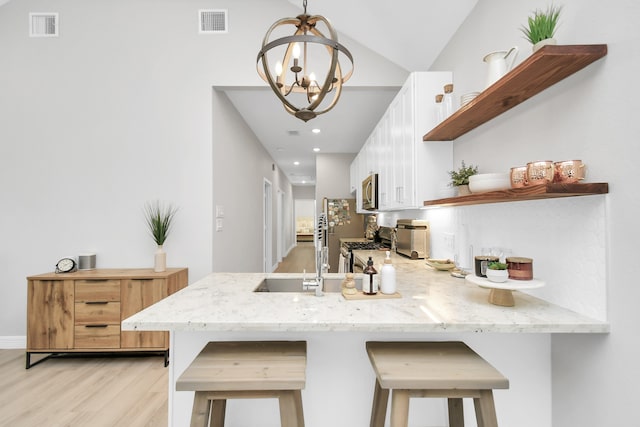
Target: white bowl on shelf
[(484, 182)]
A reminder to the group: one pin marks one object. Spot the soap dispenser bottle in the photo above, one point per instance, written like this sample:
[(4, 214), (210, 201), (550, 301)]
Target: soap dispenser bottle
[(369, 279), (388, 276)]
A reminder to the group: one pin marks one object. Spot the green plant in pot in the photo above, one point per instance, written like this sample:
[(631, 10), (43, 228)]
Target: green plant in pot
[(497, 272), (541, 27), (159, 219), (460, 178)]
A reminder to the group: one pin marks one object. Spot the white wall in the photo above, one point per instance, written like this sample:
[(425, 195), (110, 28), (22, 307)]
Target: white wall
[(118, 110), (332, 177), (240, 166), (583, 242)]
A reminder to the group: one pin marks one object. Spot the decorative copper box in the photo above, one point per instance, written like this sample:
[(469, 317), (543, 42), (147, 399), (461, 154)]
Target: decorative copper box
[(520, 268)]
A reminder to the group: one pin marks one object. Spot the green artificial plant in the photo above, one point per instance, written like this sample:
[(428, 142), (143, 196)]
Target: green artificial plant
[(542, 24), (461, 176), (495, 265), (159, 218)]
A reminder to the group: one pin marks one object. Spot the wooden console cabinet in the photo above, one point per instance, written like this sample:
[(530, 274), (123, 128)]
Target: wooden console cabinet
[(81, 312)]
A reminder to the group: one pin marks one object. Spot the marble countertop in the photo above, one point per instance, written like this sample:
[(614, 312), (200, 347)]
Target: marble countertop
[(432, 301)]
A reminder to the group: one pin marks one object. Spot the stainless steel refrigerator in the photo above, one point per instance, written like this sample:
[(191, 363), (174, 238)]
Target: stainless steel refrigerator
[(342, 222)]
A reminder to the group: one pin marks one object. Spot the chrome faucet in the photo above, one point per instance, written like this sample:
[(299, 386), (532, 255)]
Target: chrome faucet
[(322, 253)]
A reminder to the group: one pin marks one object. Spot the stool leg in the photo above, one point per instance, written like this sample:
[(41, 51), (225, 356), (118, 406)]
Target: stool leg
[(400, 408), (456, 414), (485, 409), (289, 414), (297, 395), (218, 410), (200, 411), (379, 408)]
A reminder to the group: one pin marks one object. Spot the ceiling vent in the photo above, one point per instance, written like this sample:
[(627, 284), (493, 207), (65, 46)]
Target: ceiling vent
[(43, 24), (293, 132), (213, 21)]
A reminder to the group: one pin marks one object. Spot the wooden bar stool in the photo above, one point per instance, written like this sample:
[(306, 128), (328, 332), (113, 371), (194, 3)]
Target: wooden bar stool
[(246, 370), (432, 369)]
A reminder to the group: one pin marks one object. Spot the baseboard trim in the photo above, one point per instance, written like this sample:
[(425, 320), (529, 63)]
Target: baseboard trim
[(7, 343)]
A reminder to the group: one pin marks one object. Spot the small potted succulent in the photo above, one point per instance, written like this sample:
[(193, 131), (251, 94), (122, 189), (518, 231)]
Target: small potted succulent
[(460, 178), (497, 272), (541, 27)]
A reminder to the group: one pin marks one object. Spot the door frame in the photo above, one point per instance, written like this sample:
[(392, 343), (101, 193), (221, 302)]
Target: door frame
[(267, 232)]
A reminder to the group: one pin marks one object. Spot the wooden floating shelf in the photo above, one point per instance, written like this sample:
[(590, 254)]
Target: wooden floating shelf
[(534, 192), (539, 71)]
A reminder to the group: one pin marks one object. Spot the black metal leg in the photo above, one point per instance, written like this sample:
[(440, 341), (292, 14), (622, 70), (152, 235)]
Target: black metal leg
[(166, 358), (28, 360)]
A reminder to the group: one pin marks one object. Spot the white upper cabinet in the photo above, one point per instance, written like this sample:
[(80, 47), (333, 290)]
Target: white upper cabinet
[(409, 170)]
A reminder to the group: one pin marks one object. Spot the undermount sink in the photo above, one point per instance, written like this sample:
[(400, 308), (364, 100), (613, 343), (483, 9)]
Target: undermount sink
[(294, 284)]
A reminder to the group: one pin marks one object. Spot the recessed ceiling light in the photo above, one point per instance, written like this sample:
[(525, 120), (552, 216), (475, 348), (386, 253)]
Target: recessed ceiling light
[(296, 163), (316, 130), (316, 150)]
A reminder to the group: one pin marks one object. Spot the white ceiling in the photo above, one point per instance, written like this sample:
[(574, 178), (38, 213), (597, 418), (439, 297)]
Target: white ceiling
[(409, 33)]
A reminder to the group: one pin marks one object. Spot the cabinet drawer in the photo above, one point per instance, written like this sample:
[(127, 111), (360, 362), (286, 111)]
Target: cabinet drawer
[(97, 336), (97, 290), (97, 312)]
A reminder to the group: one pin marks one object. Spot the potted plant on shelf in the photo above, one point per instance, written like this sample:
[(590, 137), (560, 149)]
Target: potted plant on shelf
[(460, 178), (497, 272), (541, 27), (159, 219)]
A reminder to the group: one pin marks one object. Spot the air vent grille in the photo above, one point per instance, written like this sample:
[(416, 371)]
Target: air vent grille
[(43, 24), (213, 21)]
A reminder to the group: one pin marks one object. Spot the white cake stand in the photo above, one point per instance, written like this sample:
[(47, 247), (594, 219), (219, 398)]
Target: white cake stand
[(502, 293)]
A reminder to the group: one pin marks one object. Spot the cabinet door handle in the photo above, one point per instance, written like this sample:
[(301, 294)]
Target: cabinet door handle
[(97, 302), (95, 326)]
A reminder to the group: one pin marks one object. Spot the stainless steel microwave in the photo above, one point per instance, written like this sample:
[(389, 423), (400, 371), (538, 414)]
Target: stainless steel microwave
[(370, 192)]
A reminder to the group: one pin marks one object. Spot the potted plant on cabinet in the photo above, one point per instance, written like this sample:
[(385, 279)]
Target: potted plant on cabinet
[(541, 27), (159, 219), (460, 178), (497, 272)]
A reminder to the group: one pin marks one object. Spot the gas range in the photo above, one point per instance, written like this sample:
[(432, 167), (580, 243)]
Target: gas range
[(347, 247), (354, 246)]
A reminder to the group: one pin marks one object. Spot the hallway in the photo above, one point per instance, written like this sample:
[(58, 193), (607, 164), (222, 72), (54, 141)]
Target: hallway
[(300, 258)]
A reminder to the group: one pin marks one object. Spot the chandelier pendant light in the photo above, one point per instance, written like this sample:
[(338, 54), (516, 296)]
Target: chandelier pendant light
[(300, 58)]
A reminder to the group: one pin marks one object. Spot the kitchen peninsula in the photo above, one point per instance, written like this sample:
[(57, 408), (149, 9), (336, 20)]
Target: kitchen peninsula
[(433, 306)]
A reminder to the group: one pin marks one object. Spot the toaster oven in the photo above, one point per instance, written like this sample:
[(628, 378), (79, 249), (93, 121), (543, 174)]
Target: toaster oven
[(413, 238)]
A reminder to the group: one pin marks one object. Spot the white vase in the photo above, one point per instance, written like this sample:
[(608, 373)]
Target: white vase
[(160, 260), (543, 43), (463, 190)]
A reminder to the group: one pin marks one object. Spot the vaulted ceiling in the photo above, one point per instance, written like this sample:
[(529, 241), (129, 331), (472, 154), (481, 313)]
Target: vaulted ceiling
[(408, 33)]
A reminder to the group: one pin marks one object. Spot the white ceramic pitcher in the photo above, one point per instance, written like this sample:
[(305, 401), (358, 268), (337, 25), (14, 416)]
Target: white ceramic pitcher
[(498, 65)]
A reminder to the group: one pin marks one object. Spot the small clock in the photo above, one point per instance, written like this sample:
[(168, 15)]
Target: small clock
[(66, 265)]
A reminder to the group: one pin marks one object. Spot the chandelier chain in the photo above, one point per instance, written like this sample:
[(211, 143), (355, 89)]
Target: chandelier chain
[(304, 4)]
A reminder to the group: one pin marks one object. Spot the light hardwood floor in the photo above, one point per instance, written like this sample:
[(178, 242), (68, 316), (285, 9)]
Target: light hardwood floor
[(96, 391), (302, 257)]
